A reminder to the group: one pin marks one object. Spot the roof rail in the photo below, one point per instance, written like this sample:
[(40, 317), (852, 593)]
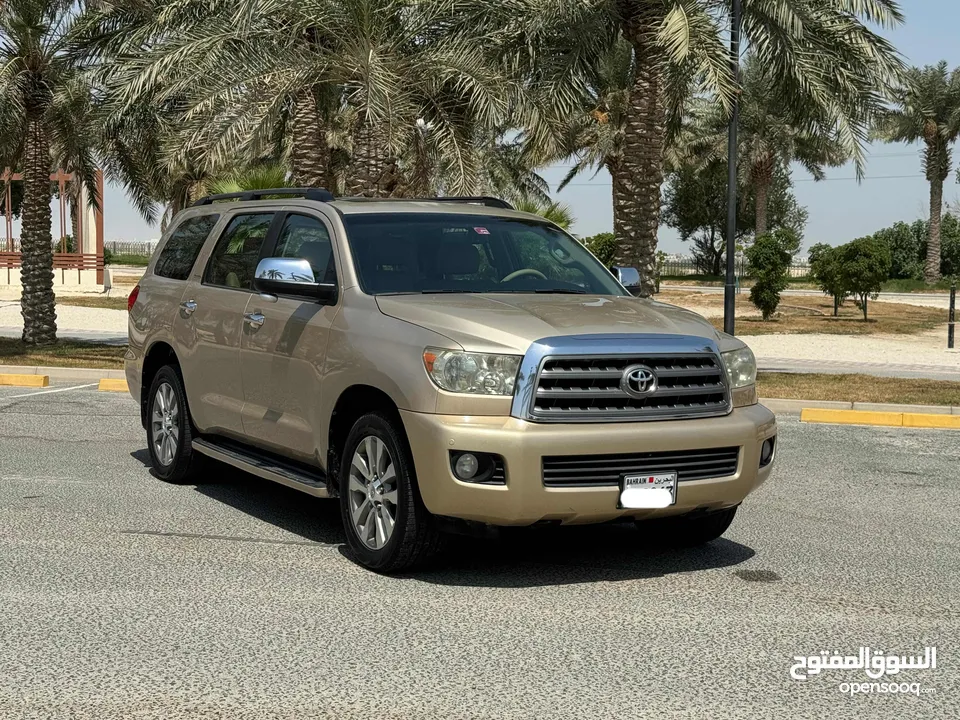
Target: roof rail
[(485, 200), (318, 194)]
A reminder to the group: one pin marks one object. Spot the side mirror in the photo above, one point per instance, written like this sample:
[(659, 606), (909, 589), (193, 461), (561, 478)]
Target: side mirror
[(629, 277), (291, 276)]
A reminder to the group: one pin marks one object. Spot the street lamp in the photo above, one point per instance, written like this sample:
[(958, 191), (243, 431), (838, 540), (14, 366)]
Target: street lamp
[(729, 287)]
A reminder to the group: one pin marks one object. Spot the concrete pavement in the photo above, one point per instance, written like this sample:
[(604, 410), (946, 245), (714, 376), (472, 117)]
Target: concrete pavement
[(125, 597)]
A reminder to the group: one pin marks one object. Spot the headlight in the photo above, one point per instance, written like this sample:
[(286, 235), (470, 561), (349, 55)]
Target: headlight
[(741, 367), (464, 372)]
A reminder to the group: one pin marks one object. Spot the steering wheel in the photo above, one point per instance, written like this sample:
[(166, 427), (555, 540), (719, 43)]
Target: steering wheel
[(521, 272)]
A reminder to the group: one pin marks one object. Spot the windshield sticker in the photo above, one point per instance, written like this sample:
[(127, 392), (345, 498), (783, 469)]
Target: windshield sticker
[(481, 231)]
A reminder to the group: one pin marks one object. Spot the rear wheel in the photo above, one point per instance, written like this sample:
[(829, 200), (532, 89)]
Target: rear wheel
[(169, 432), (689, 531), (388, 528)]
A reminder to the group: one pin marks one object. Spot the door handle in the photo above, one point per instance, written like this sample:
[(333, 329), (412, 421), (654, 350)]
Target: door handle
[(254, 319), (187, 308)]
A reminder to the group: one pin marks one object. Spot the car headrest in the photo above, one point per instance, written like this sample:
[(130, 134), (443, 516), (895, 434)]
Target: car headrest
[(458, 258), (392, 251)]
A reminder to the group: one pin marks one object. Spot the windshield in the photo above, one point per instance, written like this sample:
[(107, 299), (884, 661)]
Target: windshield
[(447, 252)]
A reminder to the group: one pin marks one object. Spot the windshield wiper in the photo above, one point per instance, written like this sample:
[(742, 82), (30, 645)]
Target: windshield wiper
[(562, 291), (438, 292)]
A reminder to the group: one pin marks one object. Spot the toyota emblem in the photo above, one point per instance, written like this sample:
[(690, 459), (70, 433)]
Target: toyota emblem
[(638, 381)]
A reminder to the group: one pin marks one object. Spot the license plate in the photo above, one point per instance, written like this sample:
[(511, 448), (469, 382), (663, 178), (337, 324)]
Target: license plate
[(654, 490)]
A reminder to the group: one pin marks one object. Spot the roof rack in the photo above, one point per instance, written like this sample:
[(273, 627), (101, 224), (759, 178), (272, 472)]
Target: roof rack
[(318, 194), (485, 200)]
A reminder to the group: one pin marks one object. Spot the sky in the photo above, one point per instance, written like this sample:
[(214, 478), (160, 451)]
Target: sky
[(840, 209)]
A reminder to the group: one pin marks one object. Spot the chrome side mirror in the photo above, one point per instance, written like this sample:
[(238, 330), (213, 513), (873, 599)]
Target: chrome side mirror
[(291, 276), (629, 277)]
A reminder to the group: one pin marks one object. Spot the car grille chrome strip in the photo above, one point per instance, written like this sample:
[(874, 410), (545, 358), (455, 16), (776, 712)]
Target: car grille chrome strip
[(606, 470), (584, 378)]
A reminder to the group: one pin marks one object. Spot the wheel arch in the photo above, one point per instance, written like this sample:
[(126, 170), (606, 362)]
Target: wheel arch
[(159, 354)]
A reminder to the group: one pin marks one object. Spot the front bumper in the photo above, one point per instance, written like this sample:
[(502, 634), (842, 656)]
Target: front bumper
[(524, 500)]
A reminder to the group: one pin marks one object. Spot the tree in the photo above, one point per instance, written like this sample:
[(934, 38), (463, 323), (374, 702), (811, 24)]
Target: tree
[(927, 108), (557, 213), (254, 177), (769, 263), (907, 244), (358, 76), (864, 265), (603, 246), (43, 105), (825, 269), (827, 63), (771, 135), (695, 204)]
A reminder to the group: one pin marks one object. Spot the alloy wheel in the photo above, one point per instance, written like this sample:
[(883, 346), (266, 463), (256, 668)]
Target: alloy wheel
[(165, 424), (373, 492)]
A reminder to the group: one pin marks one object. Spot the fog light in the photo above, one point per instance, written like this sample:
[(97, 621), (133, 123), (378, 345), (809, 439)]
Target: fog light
[(466, 466), (766, 451)]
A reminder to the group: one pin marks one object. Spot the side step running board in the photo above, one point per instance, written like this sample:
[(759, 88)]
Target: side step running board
[(264, 466)]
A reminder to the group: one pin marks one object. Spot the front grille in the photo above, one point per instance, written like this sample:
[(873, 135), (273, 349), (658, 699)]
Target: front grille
[(594, 470), (571, 389)]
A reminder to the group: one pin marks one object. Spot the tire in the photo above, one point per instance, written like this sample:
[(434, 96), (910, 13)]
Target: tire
[(387, 526), (169, 428), (685, 531)]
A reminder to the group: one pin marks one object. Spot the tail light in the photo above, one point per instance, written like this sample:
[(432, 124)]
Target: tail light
[(133, 298)]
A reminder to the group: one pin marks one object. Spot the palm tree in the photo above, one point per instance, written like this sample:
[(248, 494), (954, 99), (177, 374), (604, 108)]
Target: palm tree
[(254, 177), (559, 214), (44, 104), (927, 108), (771, 135), (250, 68), (821, 52)]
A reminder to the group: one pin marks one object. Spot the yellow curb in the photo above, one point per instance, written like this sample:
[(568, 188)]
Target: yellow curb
[(113, 385), (25, 380), (920, 420), (851, 417), (888, 419)]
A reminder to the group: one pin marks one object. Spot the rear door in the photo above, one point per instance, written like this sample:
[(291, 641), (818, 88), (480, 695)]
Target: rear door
[(210, 323), (283, 344)]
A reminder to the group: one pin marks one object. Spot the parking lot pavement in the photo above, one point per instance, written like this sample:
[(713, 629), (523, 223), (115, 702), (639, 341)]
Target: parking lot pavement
[(125, 597)]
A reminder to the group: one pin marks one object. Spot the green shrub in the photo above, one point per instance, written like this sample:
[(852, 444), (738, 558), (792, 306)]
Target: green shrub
[(825, 271), (107, 256), (864, 264), (603, 245), (769, 264)]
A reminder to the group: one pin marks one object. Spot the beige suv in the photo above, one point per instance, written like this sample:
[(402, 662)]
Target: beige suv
[(437, 365)]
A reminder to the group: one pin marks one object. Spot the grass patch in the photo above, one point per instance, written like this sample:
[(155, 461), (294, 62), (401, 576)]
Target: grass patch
[(912, 286), (812, 314), (124, 259), (96, 301), (66, 353), (858, 388)]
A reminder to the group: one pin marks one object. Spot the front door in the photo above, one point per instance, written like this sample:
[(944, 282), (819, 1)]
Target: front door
[(210, 323), (283, 344)]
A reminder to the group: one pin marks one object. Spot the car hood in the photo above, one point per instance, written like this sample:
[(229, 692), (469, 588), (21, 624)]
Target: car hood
[(508, 322)]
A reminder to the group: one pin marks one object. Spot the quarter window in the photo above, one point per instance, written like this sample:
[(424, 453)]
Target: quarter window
[(234, 259), (183, 246)]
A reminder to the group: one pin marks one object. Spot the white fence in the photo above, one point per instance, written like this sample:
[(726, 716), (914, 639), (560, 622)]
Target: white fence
[(131, 247)]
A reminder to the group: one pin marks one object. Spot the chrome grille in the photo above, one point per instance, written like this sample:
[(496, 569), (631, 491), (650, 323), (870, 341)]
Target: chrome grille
[(602, 470), (570, 389)]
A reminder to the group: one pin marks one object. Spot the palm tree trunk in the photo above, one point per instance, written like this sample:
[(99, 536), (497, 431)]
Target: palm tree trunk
[(761, 190), (638, 174), (372, 172), (761, 177), (37, 303), (931, 272), (309, 154)]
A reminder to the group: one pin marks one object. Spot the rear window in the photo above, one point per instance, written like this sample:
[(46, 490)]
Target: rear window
[(182, 248)]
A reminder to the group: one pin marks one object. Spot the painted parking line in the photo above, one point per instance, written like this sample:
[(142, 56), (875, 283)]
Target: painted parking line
[(47, 392)]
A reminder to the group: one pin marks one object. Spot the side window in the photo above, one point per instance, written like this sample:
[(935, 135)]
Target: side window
[(307, 237), (181, 249), (234, 259)]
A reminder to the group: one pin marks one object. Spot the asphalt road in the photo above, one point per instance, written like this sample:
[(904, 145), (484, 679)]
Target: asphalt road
[(124, 597)]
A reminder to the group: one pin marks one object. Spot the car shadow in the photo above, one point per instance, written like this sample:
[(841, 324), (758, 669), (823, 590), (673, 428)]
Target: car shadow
[(542, 556), (518, 557)]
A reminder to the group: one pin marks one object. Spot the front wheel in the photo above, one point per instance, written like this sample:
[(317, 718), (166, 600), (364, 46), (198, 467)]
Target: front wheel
[(689, 531), (388, 528)]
